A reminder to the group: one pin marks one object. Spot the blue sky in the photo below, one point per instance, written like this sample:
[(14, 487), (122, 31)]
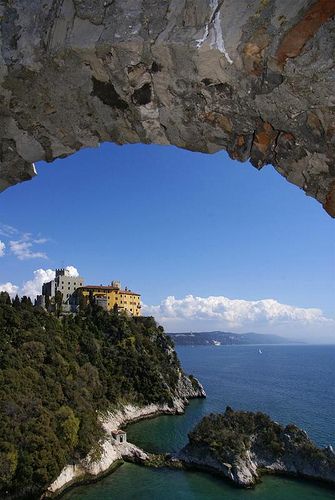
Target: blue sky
[(168, 222)]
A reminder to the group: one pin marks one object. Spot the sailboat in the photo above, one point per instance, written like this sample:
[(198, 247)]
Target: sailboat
[(259, 351)]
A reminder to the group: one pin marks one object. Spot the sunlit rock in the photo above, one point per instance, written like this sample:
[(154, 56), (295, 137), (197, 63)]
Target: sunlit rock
[(253, 78)]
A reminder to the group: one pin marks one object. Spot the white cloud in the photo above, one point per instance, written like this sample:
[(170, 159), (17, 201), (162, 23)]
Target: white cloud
[(40, 241), (72, 271), (2, 248), (33, 287), (8, 231), (219, 312), (21, 244), (8, 287), (23, 250)]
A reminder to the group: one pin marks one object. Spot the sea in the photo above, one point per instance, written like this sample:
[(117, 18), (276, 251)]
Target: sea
[(291, 383)]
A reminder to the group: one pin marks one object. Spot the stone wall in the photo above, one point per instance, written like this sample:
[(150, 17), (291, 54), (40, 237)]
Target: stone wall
[(253, 77)]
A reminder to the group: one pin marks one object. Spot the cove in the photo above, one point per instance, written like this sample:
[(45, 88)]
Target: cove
[(291, 383)]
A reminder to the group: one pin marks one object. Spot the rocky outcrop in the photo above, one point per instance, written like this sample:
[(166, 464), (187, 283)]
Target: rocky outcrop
[(112, 454), (242, 445), (254, 78)]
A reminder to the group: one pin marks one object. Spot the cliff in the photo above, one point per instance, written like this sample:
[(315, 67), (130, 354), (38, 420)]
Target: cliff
[(253, 78), (63, 379), (243, 445), (113, 454)]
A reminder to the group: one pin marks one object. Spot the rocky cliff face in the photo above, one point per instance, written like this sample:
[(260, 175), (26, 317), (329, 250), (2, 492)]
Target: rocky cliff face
[(254, 78), (242, 445), (112, 453)]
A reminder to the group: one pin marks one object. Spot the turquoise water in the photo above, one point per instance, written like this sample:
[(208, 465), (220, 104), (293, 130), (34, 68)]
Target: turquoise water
[(291, 383), (133, 482)]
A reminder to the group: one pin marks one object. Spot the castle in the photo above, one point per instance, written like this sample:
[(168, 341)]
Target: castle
[(72, 292)]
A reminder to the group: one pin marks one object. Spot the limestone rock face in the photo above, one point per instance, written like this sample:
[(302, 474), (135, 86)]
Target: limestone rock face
[(90, 468), (242, 445), (253, 77)]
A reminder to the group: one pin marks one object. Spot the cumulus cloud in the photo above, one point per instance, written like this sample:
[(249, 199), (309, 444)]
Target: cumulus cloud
[(2, 248), (33, 287), (10, 288), (72, 271), (239, 315)]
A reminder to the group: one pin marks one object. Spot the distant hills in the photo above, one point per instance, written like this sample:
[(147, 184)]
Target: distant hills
[(228, 338)]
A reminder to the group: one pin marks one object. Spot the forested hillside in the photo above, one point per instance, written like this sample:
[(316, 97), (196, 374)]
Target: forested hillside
[(58, 374)]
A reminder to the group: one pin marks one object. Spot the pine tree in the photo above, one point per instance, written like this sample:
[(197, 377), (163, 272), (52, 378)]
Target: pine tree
[(58, 302), (5, 298), (16, 302)]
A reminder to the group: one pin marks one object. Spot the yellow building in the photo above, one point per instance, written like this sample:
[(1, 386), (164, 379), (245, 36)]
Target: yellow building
[(110, 296)]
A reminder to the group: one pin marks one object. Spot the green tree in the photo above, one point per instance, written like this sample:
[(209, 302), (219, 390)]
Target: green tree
[(68, 424), (57, 375), (16, 301), (58, 302), (91, 299), (8, 463), (47, 302), (5, 298)]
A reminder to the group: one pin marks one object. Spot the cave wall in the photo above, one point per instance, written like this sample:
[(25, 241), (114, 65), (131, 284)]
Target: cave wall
[(253, 77)]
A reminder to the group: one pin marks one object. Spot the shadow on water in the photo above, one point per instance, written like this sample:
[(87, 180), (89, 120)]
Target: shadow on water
[(133, 482)]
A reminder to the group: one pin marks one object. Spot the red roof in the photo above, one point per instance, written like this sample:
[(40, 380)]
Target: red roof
[(107, 288)]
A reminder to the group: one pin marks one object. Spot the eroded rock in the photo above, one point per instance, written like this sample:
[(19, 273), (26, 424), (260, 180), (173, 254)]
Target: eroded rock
[(242, 445), (254, 78)]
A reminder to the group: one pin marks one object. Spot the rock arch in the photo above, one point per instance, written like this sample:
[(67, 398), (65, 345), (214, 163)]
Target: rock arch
[(255, 78)]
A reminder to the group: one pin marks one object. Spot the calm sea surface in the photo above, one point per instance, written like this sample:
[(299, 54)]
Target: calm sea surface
[(290, 383)]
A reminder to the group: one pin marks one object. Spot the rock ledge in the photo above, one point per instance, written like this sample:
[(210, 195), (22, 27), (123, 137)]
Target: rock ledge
[(253, 78), (112, 454), (242, 445)]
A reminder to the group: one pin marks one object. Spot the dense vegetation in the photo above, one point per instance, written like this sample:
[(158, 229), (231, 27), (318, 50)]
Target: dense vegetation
[(230, 435), (58, 374)]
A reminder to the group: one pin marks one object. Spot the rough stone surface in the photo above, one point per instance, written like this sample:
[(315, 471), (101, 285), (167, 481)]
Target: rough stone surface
[(91, 468), (253, 77), (268, 447)]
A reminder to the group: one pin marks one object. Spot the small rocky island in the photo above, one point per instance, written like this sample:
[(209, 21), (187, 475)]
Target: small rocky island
[(242, 445)]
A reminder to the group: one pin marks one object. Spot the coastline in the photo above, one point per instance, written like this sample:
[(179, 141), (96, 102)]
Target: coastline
[(262, 472), (113, 454), (242, 445)]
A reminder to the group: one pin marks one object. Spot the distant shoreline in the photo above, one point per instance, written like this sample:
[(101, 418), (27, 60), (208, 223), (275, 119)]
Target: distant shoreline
[(218, 338), (251, 345)]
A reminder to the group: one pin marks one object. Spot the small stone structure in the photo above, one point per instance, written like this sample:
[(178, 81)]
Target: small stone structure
[(119, 436)]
